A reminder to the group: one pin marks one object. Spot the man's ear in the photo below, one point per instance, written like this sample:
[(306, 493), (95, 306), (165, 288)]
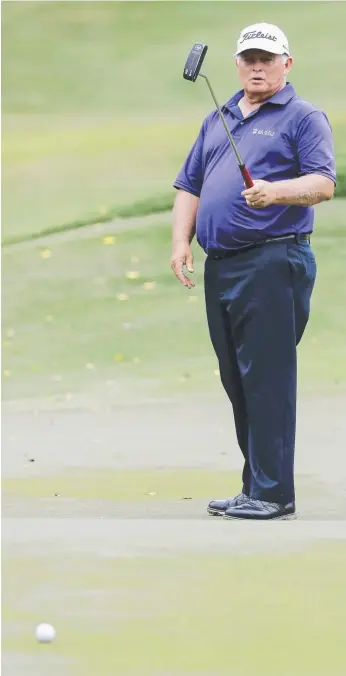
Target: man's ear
[(288, 64)]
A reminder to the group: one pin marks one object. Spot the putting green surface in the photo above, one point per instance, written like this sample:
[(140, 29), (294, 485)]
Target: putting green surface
[(96, 112), (124, 485), (181, 615)]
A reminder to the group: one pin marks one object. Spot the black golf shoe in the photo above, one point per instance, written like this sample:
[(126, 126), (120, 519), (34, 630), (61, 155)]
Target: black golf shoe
[(261, 511), (219, 507)]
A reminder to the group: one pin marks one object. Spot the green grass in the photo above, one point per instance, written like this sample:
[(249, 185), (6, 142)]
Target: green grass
[(65, 330), (263, 615), (77, 287), (54, 178), (96, 113)]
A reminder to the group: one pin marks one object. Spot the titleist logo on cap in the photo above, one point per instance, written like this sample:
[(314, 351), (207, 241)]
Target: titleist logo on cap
[(258, 34)]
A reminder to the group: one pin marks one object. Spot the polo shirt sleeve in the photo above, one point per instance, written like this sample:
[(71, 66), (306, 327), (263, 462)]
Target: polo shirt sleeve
[(190, 177), (315, 147)]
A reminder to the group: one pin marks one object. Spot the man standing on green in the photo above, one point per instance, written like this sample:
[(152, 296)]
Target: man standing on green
[(260, 269)]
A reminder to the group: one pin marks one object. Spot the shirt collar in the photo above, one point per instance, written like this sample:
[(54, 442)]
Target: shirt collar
[(281, 97)]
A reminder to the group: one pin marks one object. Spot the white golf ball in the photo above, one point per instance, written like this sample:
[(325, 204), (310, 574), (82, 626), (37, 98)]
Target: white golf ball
[(45, 633)]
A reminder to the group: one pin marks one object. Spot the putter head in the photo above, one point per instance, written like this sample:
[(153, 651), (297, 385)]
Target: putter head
[(194, 61)]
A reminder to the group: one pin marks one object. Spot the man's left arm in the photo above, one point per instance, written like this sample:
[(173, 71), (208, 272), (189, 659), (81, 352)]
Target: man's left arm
[(304, 191), (316, 183)]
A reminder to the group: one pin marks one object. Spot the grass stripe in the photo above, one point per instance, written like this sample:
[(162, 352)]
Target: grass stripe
[(139, 208)]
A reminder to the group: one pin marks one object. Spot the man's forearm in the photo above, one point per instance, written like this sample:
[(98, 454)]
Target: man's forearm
[(304, 191), (184, 217)]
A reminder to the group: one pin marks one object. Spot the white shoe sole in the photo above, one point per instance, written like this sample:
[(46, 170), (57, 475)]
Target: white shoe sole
[(284, 517)]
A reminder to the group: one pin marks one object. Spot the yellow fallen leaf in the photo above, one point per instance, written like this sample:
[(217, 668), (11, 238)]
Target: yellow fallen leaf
[(35, 367), (7, 373), (103, 211), (134, 260), (151, 493), (118, 357), (148, 286), (133, 274), (109, 239), (46, 253), (122, 296), (89, 366)]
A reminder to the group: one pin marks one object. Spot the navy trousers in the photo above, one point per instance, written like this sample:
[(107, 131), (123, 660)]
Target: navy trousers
[(258, 305)]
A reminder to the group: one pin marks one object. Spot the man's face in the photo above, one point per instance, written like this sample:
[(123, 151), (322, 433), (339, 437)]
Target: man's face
[(262, 72)]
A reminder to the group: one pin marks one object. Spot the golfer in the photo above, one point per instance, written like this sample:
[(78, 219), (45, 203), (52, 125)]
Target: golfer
[(260, 269)]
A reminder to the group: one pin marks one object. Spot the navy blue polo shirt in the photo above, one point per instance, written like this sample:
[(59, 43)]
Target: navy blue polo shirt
[(286, 137)]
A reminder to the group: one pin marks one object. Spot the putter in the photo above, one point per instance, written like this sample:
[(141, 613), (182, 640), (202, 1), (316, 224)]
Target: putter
[(191, 71)]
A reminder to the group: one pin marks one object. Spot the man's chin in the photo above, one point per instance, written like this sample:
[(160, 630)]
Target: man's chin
[(260, 88), (257, 85)]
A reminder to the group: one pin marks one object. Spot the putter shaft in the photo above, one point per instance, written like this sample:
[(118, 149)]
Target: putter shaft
[(223, 120), (246, 176)]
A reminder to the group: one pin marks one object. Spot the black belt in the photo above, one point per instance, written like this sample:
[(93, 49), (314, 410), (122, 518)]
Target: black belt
[(227, 253)]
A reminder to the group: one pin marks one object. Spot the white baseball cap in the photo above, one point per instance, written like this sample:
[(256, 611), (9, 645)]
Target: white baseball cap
[(263, 36)]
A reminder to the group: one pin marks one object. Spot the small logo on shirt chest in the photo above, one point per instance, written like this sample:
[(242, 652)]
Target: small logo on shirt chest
[(263, 132)]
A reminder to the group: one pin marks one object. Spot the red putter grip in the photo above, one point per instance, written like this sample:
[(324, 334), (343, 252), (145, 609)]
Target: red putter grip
[(246, 176)]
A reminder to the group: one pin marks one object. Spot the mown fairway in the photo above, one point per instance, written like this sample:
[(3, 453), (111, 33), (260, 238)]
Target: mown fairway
[(108, 308)]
